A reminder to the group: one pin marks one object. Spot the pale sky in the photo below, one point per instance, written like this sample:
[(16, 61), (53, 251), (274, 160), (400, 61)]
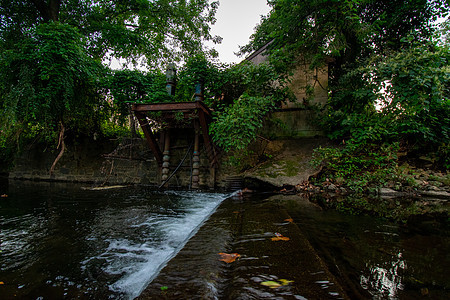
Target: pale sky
[(236, 20)]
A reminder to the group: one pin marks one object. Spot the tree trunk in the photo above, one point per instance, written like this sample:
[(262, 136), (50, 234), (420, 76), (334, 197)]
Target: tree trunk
[(49, 10), (132, 122)]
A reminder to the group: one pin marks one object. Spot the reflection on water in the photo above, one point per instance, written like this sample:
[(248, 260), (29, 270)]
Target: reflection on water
[(385, 278), (375, 258), (58, 240)]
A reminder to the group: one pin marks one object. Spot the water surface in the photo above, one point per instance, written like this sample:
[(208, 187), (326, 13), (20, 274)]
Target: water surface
[(62, 241)]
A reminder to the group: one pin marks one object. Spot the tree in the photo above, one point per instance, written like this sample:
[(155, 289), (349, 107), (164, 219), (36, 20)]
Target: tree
[(347, 31), (389, 80), (51, 72), (159, 30)]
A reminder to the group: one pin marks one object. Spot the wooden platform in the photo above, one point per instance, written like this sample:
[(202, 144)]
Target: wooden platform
[(197, 111)]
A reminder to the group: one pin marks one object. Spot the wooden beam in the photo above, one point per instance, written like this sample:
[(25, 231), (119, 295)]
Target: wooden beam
[(197, 107), (164, 106), (171, 107), (206, 138), (151, 140)]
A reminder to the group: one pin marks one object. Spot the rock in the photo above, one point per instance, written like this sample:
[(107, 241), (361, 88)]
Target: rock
[(418, 182), (438, 194), (331, 187), (388, 192), (433, 188)]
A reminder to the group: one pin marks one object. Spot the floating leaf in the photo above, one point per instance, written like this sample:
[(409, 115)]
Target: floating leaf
[(271, 284), (4, 196), (276, 284), (285, 281), (280, 237), (289, 220), (1, 282), (229, 258)]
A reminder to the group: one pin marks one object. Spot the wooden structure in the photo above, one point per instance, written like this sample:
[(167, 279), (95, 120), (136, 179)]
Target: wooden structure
[(196, 111)]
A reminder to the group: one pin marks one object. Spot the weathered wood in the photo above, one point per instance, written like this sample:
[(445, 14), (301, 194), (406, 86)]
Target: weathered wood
[(171, 107), (150, 137), (210, 151), (197, 109)]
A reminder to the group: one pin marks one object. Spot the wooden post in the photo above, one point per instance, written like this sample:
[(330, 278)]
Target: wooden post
[(150, 137), (196, 158), (166, 157)]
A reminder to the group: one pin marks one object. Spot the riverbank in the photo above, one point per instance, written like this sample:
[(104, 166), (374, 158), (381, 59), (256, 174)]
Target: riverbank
[(413, 192)]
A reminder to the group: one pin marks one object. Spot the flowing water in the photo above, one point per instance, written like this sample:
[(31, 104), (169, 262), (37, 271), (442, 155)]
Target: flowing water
[(60, 241)]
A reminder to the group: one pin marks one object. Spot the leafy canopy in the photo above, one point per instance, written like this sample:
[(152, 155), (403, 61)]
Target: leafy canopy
[(51, 54), (344, 30), (161, 30)]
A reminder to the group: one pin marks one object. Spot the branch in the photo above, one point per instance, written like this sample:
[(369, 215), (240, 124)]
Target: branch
[(63, 148)]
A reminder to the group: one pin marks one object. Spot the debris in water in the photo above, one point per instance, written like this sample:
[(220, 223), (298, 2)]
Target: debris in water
[(271, 284), (275, 284), (280, 237), (285, 281), (229, 258), (101, 188)]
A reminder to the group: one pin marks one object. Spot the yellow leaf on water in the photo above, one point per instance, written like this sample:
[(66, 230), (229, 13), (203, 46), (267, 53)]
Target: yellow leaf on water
[(1, 282), (276, 284), (290, 220), (229, 258), (285, 281), (271, 284)]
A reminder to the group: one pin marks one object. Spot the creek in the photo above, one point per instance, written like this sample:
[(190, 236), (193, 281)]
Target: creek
[(59, 241)]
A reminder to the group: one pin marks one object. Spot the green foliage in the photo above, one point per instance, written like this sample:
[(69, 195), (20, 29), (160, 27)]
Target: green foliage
[(361, 166), (49, 80), (51, 76), (160, 30), (245, 94), (400, 97), (345, 30), (199, 70), (132, 86), (443, 154), (236, 126)]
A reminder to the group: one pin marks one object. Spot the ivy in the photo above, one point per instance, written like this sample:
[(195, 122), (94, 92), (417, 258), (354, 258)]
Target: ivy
[(48, 80), (236, 126)]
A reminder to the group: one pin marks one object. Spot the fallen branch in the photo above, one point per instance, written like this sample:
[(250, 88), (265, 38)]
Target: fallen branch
[(63, 148)]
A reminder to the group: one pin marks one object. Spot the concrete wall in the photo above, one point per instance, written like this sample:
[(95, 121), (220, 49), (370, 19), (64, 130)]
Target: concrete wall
[(298, 119), (316, 79), (111, 162), (291, 124)]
